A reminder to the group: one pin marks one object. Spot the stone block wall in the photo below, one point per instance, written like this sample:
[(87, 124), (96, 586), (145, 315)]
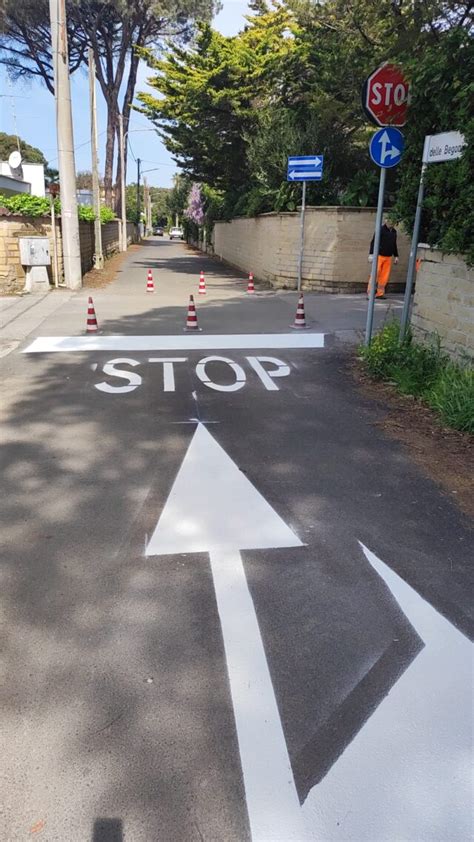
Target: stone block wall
[(111, 237), (12, 273), (86, 239), (335, 255), (444, 302)]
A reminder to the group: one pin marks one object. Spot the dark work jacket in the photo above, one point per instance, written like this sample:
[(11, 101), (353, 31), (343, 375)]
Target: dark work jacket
[(388, 242)]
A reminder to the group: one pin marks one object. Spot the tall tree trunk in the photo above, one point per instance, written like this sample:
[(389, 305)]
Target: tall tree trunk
[(109, 153), (126, 110)]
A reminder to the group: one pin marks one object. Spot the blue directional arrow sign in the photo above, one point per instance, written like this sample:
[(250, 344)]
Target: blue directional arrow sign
[(305, 168), (386, 147)]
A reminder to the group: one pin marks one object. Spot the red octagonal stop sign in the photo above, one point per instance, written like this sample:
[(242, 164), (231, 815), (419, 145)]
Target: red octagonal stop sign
[(385, 96)]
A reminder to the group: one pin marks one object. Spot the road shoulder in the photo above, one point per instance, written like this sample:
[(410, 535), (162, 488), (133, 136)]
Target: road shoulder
[(444, 455)]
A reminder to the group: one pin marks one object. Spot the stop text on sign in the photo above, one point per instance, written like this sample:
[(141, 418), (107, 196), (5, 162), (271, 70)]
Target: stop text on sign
[(265, 368), (385, 96)]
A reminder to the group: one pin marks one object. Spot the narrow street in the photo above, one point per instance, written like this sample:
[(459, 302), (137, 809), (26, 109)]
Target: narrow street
[(232, 609)]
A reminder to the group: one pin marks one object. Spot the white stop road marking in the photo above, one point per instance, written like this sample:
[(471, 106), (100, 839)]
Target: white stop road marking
[(134, 380)]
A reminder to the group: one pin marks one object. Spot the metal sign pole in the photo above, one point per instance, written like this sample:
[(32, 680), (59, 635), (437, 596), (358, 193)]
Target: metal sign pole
[(300, 260), (414, 245), (375, 259)]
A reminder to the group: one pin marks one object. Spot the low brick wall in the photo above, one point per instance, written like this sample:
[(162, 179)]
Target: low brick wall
[(335, 255), (444, 302), (12, 273)]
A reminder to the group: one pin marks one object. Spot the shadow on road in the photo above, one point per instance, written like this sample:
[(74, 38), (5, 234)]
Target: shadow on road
[(107, 830), (111, 659)]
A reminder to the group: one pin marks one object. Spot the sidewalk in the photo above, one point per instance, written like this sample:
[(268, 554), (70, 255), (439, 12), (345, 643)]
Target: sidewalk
[(20, 316)]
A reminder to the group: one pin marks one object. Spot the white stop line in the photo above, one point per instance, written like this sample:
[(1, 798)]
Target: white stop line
[(190, 342)]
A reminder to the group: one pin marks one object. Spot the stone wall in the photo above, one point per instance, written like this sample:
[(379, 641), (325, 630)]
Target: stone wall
[(335, 254), (444, 302), (12, 273)]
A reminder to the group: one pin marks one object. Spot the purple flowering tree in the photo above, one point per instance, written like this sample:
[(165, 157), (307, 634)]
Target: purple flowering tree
[(195, 210)]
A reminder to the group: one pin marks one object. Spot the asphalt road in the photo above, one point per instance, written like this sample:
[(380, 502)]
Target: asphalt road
[(136, 703)]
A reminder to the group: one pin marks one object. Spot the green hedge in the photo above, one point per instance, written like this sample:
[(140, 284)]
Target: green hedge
[(424, 372), (26, 205)]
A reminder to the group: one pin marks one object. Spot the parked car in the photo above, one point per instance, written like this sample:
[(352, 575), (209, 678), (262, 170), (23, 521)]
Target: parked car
[(176, 233), (158, 231)]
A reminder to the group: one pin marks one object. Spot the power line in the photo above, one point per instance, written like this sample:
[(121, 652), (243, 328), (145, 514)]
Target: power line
[(131, 150), (80, 145)]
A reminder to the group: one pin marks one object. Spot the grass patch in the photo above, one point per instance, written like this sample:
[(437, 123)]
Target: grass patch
[(425, 372)]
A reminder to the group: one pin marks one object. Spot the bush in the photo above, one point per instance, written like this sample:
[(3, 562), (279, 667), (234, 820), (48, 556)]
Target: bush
[(26, 205), (106, 214), (85, 213), (452, 395), (424, 372)]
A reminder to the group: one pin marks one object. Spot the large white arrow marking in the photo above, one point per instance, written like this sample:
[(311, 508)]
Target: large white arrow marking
[(213, 508), (407, 773)]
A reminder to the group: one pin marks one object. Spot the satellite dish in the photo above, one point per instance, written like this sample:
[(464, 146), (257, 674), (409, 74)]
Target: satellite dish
[(14, 161)]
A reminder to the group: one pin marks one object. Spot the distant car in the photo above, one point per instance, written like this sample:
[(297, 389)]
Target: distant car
[(176, 234), (158, 231)]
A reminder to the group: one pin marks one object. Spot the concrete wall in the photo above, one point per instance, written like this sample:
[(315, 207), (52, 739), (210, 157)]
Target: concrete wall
[(335, 255), (12, 273), (444, 302)]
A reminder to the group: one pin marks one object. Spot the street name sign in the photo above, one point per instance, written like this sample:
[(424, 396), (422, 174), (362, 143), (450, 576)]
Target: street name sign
[(385, 96), (446, 146), (386, 147), (305, 168)]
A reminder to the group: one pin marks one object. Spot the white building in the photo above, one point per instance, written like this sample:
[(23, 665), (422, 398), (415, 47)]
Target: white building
[(26, 178)]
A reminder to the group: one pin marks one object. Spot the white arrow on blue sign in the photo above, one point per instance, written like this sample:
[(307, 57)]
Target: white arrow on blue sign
[(386, 147), (305, 168)]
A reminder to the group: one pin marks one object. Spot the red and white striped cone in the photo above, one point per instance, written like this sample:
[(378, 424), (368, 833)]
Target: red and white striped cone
[(150, 286), (92, 325), (300, 320), (251, 285), (202, 284), (191, 319)]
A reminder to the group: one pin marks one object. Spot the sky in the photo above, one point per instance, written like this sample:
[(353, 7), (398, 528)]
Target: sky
[(31, 114)]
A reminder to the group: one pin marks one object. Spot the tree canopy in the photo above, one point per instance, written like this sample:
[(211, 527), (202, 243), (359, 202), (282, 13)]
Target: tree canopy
[(114, 29), (9, 143), (231, 109)]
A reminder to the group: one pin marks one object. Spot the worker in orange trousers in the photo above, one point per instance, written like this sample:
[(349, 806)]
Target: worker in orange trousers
[(388, 251)]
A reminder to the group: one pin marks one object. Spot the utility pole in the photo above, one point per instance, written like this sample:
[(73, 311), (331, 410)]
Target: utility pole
[(67, 166), (138, 196), (98, 255), (145, 203), (149, 212), (122, 186)]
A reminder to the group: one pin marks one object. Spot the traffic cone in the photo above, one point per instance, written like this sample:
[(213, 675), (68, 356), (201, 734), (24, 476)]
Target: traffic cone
[(191, 319), (150, 286), (300, 321), (251, 285), (202, 284), (92, 326)]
